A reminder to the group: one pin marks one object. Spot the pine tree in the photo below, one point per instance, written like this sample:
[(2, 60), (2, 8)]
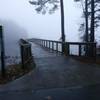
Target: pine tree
[(42, 7), (91, 13)]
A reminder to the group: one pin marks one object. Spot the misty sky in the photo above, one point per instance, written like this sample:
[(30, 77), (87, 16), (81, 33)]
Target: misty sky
[(38, 25)]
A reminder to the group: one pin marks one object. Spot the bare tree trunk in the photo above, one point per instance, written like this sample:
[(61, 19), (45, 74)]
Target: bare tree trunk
[(86, 26), (86, 21), (92, 22), (92, 28), (62, 25)]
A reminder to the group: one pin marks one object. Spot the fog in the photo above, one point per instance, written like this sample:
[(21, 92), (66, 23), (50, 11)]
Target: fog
[(20, 20), (38, 25), (12, 33)]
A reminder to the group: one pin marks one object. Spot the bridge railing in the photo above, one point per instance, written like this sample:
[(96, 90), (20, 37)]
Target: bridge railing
[(26, 54), (79, 49), (82, 49), (49, 44)]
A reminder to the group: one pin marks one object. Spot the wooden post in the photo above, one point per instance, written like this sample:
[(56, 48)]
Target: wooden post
[(2, 53), (49, 44), (42, 43), (22, 59), (46, 44), (57, 46), (52, 45), (79, 49), (26, 53), (66, 52), (95, 51)]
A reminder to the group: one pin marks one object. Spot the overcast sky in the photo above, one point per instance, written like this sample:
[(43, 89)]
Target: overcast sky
[(42, 26)]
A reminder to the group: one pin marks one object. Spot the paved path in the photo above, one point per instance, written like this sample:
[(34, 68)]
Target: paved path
[(54, 75), (79, 93)]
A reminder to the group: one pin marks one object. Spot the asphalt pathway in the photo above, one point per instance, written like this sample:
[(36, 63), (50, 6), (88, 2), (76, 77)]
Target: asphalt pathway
[(55, 77)]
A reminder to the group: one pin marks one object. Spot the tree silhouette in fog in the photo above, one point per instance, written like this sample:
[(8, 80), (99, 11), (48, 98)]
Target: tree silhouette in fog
[(51, 5), (91, 13)]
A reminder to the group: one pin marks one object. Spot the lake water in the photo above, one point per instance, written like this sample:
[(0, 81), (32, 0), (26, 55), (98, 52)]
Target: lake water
[(12, 54)]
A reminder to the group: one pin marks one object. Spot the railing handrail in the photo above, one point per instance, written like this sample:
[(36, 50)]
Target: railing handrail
[(65, 42), (45, 40), (89, 47), (81, 43)]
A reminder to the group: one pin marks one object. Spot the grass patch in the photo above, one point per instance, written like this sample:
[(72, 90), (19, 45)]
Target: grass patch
[(13, 72)]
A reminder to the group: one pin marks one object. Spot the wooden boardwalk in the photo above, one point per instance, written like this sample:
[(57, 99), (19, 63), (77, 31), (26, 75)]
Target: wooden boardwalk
[(55, 73)]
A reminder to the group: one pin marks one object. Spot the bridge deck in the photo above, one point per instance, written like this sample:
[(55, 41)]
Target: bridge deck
[(55, 72)]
